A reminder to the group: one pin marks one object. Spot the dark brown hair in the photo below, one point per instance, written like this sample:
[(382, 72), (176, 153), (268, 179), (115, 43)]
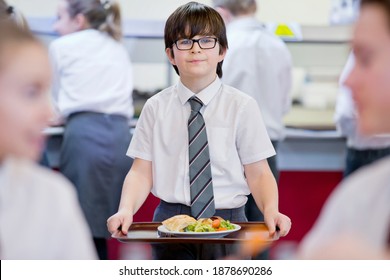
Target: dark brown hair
[(104, 16), (194, 19)]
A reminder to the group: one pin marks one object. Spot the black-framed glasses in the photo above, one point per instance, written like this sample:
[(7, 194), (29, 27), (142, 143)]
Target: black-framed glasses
[(204, 43)]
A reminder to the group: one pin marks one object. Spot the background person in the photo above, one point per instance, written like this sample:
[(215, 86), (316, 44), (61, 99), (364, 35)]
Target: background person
[(360, 206), (92, 91), (40, 217), (361, 149)]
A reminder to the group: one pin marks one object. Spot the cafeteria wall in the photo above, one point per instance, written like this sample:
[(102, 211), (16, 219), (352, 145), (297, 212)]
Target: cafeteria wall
[(306, 12)]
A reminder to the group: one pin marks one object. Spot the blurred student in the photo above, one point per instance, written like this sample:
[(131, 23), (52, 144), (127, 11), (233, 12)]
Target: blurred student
[(361, 149), (93, 95), (193, 145), (360, 206), (8, 12), (13, 14), (259, 64), (40, 217)]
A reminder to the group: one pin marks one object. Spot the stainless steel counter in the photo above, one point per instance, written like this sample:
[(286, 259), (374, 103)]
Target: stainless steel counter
[(311, 150)]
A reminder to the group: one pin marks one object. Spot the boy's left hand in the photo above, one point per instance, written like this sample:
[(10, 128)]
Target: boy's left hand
[(276, 219)]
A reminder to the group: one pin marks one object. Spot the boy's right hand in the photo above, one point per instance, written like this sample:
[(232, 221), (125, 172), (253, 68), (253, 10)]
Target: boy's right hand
[(121, 221)]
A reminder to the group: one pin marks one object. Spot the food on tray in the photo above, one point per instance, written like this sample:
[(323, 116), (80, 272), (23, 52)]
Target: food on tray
[(178, 222), (185, 223)]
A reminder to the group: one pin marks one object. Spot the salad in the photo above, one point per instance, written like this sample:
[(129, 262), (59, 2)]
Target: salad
[(209, 225)]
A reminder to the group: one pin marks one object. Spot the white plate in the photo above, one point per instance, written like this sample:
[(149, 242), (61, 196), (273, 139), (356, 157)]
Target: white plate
[(164, 232)]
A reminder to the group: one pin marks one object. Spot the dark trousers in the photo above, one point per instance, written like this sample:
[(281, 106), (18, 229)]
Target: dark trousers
[(252, 211), (359, 158), (93, 158), (101, 248), (188, 251)]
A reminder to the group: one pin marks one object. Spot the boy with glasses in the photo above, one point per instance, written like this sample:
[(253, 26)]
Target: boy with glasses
[(194, 145)]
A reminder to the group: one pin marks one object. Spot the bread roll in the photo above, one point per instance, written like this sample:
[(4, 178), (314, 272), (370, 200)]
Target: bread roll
[(178, 222)]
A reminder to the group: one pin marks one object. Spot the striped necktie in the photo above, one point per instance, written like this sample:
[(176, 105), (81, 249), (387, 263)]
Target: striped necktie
[(201, 184)]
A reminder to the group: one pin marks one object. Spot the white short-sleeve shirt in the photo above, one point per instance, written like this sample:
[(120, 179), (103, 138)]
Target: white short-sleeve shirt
[(359, 206), (259, 64), (40, 217), (92, 72), (236, 136)]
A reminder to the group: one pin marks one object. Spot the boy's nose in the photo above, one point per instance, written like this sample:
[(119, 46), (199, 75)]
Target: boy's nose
[(196, 47)]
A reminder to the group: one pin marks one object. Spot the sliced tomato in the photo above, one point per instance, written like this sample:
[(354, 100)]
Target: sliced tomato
[(216, 223)]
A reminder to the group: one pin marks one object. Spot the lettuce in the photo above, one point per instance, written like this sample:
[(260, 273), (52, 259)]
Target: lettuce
[(199, 227), (204, 227), (227, 225)]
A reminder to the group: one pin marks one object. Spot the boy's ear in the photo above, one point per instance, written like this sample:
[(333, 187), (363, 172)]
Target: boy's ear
[(222, 53), (170, 55)]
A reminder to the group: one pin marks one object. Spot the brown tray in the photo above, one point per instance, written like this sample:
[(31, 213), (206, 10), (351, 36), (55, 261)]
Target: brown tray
[(147, 232)]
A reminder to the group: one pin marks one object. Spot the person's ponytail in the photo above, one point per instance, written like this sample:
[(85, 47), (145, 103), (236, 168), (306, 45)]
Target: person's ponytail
[(113, 23), (102, 15)]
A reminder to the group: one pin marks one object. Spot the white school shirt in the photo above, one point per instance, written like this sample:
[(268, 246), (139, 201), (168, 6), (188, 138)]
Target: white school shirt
[(346, 117), (92, 72), (236, 136), (259, 64), (40, 217), (359, 206)]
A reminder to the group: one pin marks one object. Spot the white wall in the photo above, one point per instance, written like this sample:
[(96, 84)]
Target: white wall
[(302, 11), (35, 8)]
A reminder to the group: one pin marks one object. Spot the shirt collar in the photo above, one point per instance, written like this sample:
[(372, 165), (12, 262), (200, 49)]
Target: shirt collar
[(205, 95)]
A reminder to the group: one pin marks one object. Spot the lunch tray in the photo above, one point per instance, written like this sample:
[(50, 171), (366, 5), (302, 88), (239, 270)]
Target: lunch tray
[(147, 232)]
